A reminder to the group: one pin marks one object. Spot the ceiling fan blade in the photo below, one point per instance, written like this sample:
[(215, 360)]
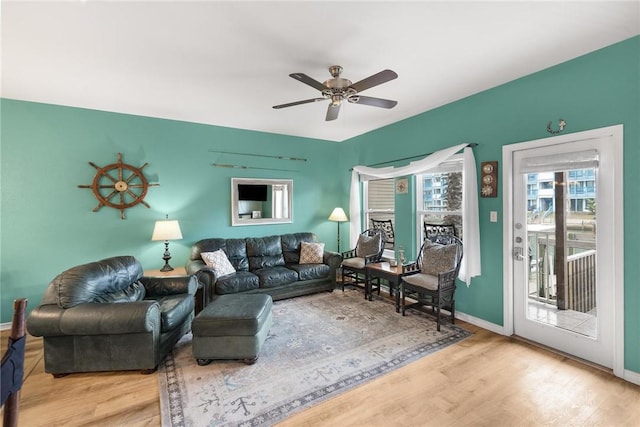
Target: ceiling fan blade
[(291, 104), (374, 80), (308, 80), (332, 112), (374, 102)]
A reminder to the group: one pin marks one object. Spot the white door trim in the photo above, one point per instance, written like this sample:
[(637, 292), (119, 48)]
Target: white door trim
[(507, 197)]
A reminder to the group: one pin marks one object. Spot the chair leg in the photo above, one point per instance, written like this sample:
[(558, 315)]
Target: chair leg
[(453, 312), (342, 279), (438, 317), (402, 300)]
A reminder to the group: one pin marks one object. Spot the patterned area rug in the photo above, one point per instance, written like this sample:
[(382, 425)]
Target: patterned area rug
[(319, 346)]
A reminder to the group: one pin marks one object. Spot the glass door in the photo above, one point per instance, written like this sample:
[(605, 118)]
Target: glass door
[(564, 249)]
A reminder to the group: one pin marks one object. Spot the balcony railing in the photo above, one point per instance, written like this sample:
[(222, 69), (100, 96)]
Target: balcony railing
[(581, 269), (581, 281)]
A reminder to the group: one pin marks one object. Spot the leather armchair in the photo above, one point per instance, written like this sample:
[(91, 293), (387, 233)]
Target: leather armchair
[(106, 316)]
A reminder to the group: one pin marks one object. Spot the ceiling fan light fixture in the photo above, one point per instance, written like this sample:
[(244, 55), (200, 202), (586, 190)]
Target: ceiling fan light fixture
[(336, 100)]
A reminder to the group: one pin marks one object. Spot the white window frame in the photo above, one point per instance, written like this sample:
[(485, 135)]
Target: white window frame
[(455, 164)]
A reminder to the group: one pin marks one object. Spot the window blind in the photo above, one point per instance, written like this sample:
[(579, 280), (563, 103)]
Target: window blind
[(560, 162)]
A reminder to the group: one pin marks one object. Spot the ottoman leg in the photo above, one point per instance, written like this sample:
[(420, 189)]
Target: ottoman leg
[(203, 362), (250, 361)]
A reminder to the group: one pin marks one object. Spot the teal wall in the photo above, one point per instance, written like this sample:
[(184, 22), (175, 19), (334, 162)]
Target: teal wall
[(592, 91), (47, 224)]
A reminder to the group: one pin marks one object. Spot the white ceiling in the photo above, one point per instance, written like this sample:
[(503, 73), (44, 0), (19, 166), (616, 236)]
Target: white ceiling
[(228, 63)]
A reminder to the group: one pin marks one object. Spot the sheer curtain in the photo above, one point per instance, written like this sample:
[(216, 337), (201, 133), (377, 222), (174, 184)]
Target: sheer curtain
[(471, 260)]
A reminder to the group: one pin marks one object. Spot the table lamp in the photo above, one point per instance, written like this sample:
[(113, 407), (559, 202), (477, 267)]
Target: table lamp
[(166, 230)]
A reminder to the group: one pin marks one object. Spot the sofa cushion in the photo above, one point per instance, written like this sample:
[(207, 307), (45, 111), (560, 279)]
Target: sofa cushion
[(219, 262), (291, 245), (240, 281), (134, 292), (310, 271), (311, 253), (355, 262), (264, 252), (89, 282), (276, 276), (426, 281), (174, 309), (236, 250)]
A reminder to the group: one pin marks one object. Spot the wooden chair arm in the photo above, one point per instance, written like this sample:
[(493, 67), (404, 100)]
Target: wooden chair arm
[(370, 259), (410, 268), (349, 254)]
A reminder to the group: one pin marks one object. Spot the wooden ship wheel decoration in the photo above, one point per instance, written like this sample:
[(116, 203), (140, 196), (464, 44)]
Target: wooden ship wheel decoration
[(119, 186)]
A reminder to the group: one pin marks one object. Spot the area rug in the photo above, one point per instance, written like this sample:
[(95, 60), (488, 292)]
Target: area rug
[(318, 346)]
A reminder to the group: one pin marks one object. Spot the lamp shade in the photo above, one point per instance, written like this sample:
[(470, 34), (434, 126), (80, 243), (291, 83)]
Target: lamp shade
[(167, 229), (338, 215)]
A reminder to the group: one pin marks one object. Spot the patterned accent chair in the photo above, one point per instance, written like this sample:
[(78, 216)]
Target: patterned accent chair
[(431, 280), (387, 228), (368, 250)]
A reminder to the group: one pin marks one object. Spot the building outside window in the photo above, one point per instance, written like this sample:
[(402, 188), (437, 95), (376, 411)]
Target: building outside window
[(581, 192), (439, 197)]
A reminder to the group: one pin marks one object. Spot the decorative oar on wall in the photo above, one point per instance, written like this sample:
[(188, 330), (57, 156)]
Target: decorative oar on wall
[(267, 156)]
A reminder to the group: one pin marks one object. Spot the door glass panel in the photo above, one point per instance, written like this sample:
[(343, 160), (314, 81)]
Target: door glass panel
[(561, 237)]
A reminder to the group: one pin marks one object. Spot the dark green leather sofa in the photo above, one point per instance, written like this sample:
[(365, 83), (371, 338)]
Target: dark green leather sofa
[(268, 265), (105, 316)]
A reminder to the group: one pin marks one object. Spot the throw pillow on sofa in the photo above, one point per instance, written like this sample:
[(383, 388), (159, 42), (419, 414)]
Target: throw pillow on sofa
[(219, 262), (311, 253)]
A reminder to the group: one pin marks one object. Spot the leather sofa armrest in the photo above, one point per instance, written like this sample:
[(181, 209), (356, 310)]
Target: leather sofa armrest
[(204, 274), (95, 319), (194, 265), (332, 259), (162, 286), (44, 320)]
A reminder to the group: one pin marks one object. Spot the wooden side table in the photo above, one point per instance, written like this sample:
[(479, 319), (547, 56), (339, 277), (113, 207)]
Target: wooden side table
[(199, 297), (176, 272), (382, 270)]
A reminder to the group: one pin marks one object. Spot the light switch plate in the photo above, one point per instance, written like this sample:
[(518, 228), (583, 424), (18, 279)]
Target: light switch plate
[(493, 216)]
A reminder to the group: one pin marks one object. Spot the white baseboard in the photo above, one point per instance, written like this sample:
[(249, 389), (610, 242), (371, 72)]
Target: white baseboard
[(498, 329), (632, 377), (5, 326)]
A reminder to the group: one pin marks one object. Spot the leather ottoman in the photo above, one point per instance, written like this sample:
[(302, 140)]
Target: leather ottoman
[(233, 326)]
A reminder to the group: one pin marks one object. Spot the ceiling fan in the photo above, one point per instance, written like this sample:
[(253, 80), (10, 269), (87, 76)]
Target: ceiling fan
[(337, 90)]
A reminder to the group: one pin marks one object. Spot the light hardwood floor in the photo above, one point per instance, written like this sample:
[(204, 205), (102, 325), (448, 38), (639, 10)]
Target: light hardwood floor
[(485, 380)]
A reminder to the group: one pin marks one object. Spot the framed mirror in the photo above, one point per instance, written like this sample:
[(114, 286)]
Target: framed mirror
[(261, 201)]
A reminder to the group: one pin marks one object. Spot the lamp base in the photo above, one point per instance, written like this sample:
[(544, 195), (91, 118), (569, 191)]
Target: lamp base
[(166, 267), (166, 257)]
